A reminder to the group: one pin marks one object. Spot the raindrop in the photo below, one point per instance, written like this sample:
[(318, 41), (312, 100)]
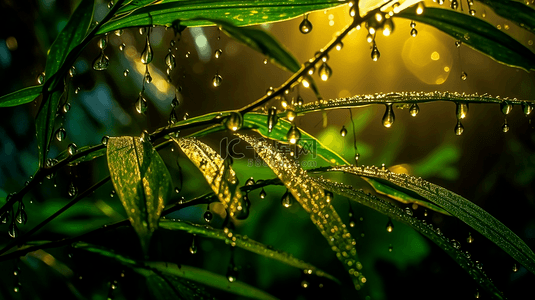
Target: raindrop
[(218, 53), (265, 61), (118, 32), (104, 140), (146, 55), (142, 30), (476, 295), (21, 217), (414, 32), (61, 133), (262, 194), (388, 27), (110, 4), (506, 107), (390, 248), (389, 225), (174, 102), (299, 100), (249, 181), (4, 217), (72, 149), (101, 62), (112, 193), (73, 190), (388, 117), (188, 54), (125, 73), (66, 107), (505, 126), (77, 90), (515, 268), (287, 199), (170, 61), (375, 53), (122, 46), (232, 273), (103, 42), (293, 135), (464, 75), (41, 78), (357, 156), (454, 4), (527, 108), (177, 190), (413, 24), (72, 71), (234, 121), (16, 289), (305, 26), (186, 116), (193, 247), (208, 216), (269, 91), (472, 12), (459, 128), (461, 110), (343, 131), (216, 81), (325, 71), (469, 239), (290, 114), (141, 104), (339, 46), (13, 230), (414, 109), (272, 118), (408, 211)]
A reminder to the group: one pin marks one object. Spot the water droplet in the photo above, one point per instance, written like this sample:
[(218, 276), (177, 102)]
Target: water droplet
[(110, 4), (375, 53), (293, 135), (472, 12), (455, 244), (357, 156), (459, 128), (193, 247), (389, 225), (408, 211), (454, 4), (101, 62), (390, 248), (122, 47), (208, 216), (506, 107), (343, 131), (77, 90), (469, 239), (262, 194), (265, 61), (146, 55), (103, 42), (464, 75), (188, 54), (414, 109), (21, 217), (234, 121), (304, 284), (299, 100), (72, 71), (61, 133), (272, 118), (476, 295), (414, 32), (4, 217), (388, 117), (325, 71), (170, 61), (66, 107), (218, 53), (126, 72), (118, 32), (290, 114), (305, 26), (339, 46), (13, 231), (41, 78), (232, 273), (104, 140), (388, 27), (73, 190), (141, 104), (186, 116), (461, 110), (505, 126), (527, 108), (515, 268), (287, 199), (216, 81), (16, 289), (145, 136)]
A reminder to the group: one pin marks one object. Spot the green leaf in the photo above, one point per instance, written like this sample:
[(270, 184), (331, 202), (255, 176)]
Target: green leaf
[(457, 206), (451, 247), (217, 172), (240, 13), (477, 34), (314, 201), (515, 11), (142, 182), (72, 34), (258, 122), (168, 287), (22, 96), (44, 124), (245, 243)]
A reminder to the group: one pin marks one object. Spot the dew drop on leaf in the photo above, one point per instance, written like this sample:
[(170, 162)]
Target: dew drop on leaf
[(389, 225), (21, 216), (103, 42), (339, 46), (287, 199), (122, 47), (293, 135), (469, 239), (234, 122), (343, 131), (126, 72), (146, 55), (66, 107), (104, 140), (461, 110), (262, 194), (305, 26), (72, 71), (375, 53), (118, 32), (208, 216), (13, 231), (61, 134), (454, 4), (325, 71), (527, 108), (72, 149), (216, 81), (388, 117), (170, 61), (41, 78), (101, 62), (414, 110), (506, 107), (141, 104), (73, 190), (505, 126)]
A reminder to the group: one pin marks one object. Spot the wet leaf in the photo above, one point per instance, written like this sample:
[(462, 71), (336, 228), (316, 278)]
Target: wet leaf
[(216, 171), (22, 96), (314, 201), (44, 124), (172, 287), (142, 182), (243, 242), (477, 34), (514, 11)]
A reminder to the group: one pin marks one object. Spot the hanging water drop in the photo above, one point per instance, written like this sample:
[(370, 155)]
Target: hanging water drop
[(73, 190), (232, 273), (262, 194), (72, 149), (21, 216), (388, 117), (122, 46), (141, 104), (126, 72), (193, 247), (470, 239), (389, 225), (325, 71), (170, 61), (505, 126), (375, 53), (390, 248), (388, 27), (145, 136), (339, 46), (515, 268), (118, 32), (146, 55), (105, 140), (414, 109), (66, 107), (4, 217), (101, 62), (61, 133), (287, 199), (454, 4), (343, 131), (459, 128), (174, 102), (218, 53), (272, 118), (290, 114), (265, 61), (13, 231), (299, 100), (234, 121), (293, 135), (464, 75), (506, 107), (103, 42), (527, 108), (414, 32), (305, 26), (41, 78), (72, 71), (208, 216), (216, 81), (476, 295), (461, 110)]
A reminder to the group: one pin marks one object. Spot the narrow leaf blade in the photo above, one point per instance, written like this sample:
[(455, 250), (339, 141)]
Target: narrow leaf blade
[(516, 12), (141, 181), (22, 96), (44, 124)]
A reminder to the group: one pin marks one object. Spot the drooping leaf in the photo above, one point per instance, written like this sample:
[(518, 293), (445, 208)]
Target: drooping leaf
[(44, 124), (22, 96), (477, 34), (168, 287), (240, 13), (514, 11), (457, 206), (243, 242), (451, 247), (185, 272), (216, 171), (142, 182), (314, 201)]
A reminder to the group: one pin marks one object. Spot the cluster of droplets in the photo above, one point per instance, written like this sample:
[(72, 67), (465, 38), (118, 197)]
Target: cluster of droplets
[(20, 217)]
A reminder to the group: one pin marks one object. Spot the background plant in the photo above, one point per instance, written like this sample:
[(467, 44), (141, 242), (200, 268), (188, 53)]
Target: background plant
[(144, 180)]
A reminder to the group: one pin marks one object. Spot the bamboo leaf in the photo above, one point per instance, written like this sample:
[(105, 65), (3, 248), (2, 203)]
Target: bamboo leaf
[(313, 199), (243, 242), (451, 247), (477, 34), (142, 182), (515, 11), (22, 96), (166, 13), (217, 172), (464, 210)]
